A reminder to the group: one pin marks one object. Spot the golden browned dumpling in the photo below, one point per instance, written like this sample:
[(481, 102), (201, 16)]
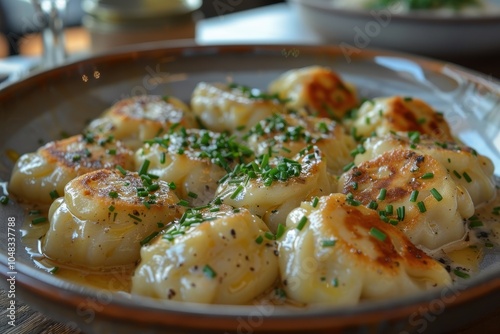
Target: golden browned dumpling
[(414, 192), (105, 216), (334, 252), (317, 89), (218, 255), (136, 119), (472, 171), (40, 177), (383, 115)]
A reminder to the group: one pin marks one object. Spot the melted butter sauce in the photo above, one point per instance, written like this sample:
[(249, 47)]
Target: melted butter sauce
[(111, 279), (465, 256)]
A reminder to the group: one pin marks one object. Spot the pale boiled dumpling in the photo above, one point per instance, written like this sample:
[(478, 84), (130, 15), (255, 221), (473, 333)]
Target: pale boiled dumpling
[(335, 253), (215, 256), (272, 189), (41, 176), (317, 89), (418, 195), (472, 171), (139, 118), (230, 107), (104, 216), (193, 160)]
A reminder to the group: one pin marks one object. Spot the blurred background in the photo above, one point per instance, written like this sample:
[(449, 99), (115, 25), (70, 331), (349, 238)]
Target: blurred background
[(20, 25), (96, 26)]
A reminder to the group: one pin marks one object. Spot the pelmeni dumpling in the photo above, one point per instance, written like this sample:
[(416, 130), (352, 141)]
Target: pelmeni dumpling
[(40, 177), (288, 134), (414, 192), (317, 89), (104, 217), (139, 118), (193, 161), (271, 188), (230, 107), (472, 171), (335, 253), (383, 115), (219, 255)]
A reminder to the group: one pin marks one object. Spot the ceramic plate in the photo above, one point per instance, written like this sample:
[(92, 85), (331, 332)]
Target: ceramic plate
[(42, 106), (419, 33)]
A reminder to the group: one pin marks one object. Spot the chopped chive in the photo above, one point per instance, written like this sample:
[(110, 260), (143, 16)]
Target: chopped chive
[(328, 243), (280, 231), (315, 202), (4, 200), (54, 270), (112, 151), (302, 223), (54, 194), (457, 174), (172, 185), (148, 238), (400, 212), (111, 208), (142, 193), (354, 185), (209, 272), (146, 204), (39, 220), (238, 190), (135, 217), (114, 216), (475, 223), (348, 166), (192, 194), (393, 222), (414, 196), (408, 99), (113, 194), (269, 235), (460, 273), (259, 239), (280, 293), (381, 194), (467, 177), (421, 207), (121, 170), (153, 187), (372, 205), (377, 234), (427, 176), (163, 157), (34, 212), (389, 209), (76, 158), (335, 282), (183, 202), (436, 194), (488, 245), (265, 161), (144, 167), (160, 225)]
